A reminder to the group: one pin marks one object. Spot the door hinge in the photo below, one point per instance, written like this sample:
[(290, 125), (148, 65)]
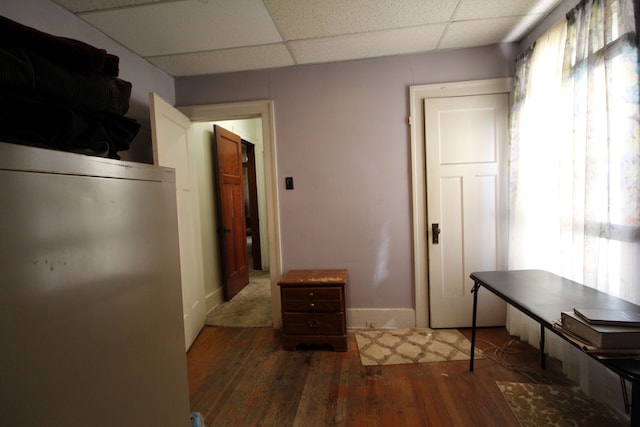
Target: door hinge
[(435, 233)]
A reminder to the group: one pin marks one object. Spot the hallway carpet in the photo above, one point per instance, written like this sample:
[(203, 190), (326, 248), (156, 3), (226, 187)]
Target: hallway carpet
[(250, 308)]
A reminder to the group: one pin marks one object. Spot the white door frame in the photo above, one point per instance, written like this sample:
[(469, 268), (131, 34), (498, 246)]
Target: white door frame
[(417, 95), (264, 110)]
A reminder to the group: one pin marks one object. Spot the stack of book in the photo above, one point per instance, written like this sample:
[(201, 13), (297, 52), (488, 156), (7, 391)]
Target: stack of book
[(604, 332)]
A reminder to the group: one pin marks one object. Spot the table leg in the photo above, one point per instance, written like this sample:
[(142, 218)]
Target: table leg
[(474, 291), (635, 403), (542, 358)]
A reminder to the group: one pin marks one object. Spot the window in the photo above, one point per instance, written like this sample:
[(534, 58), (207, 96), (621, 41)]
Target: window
[(575, 153)]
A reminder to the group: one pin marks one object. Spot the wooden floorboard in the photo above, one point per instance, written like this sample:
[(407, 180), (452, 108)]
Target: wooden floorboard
[(242, 377)]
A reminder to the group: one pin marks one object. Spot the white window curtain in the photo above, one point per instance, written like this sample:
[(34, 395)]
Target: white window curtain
[(575, 168)]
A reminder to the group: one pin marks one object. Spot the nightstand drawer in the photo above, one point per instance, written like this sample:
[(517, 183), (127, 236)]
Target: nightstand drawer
[(313, 324), (310, 299), (308, 294)]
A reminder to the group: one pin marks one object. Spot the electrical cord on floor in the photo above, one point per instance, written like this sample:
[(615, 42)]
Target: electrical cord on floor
[(499, 355)]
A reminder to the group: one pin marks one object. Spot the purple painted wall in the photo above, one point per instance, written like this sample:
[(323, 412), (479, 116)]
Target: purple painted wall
[(342, 134)]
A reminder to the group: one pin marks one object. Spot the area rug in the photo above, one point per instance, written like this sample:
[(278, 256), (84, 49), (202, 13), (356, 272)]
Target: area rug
[(415, 345), (250, 308), (536, 405)]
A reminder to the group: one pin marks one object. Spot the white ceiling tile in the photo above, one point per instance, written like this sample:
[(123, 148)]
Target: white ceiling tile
[(303, 19), (485, 31), (87, 5), (187, 26), (478, 9), (189, 37), (367, 45), (223, 61)]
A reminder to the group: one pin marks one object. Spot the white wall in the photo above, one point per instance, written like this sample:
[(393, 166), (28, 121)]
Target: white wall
[(47, 16)]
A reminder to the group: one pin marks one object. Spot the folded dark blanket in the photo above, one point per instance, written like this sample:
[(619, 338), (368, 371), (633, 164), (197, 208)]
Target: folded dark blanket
[(28, 118), (73, 55), (61, 93), (26, 69)]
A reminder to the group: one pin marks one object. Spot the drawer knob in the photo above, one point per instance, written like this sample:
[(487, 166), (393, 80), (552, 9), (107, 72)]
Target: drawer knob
[(312, 305), (310, 294), (313, 323)]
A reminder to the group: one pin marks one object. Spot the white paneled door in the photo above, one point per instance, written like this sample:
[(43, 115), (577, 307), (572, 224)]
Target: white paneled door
[(466, 220), (170, 130)]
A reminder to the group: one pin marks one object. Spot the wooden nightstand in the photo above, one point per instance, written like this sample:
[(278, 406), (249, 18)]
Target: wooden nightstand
[(313, 308)]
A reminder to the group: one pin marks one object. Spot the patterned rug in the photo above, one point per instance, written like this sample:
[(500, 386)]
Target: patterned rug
[(536, 405), (251, 307), (397, 346)]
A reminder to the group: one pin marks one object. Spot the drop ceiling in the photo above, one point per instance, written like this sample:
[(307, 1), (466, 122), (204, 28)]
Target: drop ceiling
[(194, 37)]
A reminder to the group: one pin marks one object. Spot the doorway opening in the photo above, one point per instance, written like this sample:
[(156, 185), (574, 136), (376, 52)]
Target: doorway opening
[(237, 194), (251, 205), (270, 258)]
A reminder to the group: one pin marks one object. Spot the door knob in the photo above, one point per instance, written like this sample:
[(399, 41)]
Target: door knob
[(435, 233)]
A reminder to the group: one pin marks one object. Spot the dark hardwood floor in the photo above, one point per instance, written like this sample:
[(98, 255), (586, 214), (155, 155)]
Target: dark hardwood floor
[(242, 377)]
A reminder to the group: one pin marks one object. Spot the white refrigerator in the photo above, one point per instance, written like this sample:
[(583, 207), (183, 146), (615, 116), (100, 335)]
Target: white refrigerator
[(91, 328)]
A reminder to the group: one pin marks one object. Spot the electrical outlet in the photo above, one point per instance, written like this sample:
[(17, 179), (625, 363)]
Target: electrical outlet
[(288, 183)]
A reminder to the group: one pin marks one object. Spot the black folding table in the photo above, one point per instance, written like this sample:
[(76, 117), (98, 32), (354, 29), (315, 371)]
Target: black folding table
[(542, 296)]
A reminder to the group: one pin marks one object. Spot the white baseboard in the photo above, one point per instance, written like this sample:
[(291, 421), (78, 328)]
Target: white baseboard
[(214, 299), (381, 318), (357, 318)]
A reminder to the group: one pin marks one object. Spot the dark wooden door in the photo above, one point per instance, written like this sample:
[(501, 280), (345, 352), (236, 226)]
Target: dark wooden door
[(231, 215), (252, 191)]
